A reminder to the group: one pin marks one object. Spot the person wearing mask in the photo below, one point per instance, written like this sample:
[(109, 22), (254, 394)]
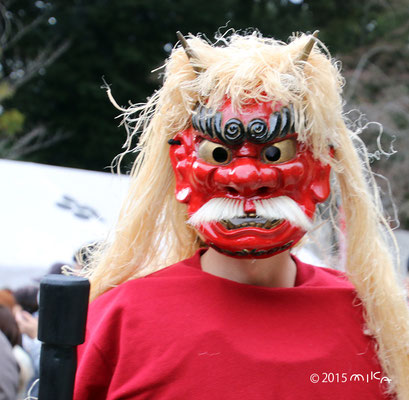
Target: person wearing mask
[(197, 294)]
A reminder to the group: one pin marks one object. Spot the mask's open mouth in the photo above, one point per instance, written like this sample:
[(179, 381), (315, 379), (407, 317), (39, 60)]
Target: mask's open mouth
[(250, 221)]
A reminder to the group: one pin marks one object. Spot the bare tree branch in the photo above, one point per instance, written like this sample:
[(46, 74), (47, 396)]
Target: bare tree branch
[(32, 141), (7, 26), (22, 71), (23, 31), (363, 61), (44, 58)]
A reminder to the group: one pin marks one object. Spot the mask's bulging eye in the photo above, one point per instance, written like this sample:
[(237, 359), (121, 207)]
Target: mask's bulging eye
[(280, 152), (214, 153)]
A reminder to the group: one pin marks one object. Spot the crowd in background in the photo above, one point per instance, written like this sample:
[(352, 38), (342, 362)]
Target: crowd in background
[(19, 346)]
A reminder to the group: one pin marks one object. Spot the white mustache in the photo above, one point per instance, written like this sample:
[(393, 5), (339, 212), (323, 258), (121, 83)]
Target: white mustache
[(281, 207)]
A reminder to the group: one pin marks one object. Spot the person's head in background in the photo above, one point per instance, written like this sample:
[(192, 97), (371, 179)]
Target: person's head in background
[(9, 327), (26, 297), (7, 298)]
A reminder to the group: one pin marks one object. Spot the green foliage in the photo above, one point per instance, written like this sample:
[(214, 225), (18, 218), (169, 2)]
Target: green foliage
[(11, 123), (5, 91)]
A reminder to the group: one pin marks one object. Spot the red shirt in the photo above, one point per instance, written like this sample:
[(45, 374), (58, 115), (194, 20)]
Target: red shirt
[(182, 333)]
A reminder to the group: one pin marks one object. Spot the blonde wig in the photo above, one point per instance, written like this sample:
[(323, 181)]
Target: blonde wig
[(151, 232)]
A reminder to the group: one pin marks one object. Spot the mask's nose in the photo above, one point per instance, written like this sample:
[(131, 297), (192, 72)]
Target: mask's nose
[(248, 177)]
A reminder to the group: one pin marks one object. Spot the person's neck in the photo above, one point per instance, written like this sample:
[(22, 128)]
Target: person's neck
[(277, 271)]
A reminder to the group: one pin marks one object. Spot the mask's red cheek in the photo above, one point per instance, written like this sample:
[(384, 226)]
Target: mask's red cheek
[(292, 176), (202, 175)]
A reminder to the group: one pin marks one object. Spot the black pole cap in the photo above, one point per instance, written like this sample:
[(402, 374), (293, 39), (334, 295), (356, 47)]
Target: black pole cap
[(63, 308)]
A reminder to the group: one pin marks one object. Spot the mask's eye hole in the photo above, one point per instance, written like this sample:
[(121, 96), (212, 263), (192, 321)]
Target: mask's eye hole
[(214, 153), (280, 152)]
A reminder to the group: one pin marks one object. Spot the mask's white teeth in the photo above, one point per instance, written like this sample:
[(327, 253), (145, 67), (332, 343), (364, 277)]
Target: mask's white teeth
[(230, 225)]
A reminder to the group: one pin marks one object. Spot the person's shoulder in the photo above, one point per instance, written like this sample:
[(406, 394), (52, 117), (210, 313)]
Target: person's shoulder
[(151, 285), (138, 299), (333, 276), (316, 276)]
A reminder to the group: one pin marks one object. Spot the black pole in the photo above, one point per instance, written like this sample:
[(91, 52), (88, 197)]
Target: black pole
[(63, 308)]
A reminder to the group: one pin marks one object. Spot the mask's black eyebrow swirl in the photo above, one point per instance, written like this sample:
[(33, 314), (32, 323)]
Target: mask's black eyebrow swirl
[(279, 125), (282, 122), (207, 121)]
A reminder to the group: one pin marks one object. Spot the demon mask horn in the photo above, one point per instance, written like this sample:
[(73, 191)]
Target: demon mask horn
[(301, 60), (191, 55)]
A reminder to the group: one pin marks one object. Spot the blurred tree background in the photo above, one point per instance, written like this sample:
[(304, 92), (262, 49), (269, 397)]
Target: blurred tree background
[(54, 55)]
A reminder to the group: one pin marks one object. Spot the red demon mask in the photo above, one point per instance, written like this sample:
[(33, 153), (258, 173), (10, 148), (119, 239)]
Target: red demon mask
[(250, 187)]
